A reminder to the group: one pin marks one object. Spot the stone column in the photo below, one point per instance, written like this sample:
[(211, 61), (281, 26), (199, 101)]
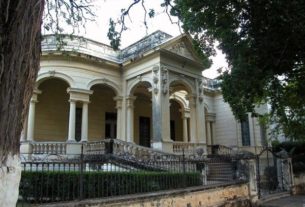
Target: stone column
[(185, 132), (130, 119), (31, 115), (193, 118), (119, 100), (200, 113), (160, 107), (71, 134), (209, 134), (84, 137), (83, 96)]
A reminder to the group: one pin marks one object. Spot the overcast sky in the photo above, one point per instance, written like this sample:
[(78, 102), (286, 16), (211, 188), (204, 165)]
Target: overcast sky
[(136, 29)]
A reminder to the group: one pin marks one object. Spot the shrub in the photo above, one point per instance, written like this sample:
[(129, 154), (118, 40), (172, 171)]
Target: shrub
[(44, 186)]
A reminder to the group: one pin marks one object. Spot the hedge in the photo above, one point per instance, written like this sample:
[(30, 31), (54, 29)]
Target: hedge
[(63, 186)]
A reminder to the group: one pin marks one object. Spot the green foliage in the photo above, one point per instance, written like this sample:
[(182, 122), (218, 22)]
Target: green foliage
[(296, 150), (263, 42), (59, 186)]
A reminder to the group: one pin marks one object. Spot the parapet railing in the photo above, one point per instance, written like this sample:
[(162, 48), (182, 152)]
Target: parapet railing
[(49, 147)]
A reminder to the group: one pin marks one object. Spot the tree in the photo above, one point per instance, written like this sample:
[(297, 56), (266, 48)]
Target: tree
[(263, 42), (20, 41)]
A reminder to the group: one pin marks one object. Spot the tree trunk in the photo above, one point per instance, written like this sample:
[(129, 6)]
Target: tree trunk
[(20, 39)]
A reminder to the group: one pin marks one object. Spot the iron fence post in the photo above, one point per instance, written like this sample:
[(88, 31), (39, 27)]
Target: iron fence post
[(81, 184), (258, 177), (183, 168)]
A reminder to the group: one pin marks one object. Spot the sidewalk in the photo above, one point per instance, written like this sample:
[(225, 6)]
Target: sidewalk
[(291, 201)]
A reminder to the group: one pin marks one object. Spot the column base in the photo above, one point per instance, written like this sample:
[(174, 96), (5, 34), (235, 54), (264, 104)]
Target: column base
[(165, 146), (25, 147), (73, 148)]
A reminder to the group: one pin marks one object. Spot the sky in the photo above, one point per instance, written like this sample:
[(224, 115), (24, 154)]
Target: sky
[(106, 9)]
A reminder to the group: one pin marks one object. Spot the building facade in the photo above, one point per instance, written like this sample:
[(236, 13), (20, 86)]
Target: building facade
[(151, 93)]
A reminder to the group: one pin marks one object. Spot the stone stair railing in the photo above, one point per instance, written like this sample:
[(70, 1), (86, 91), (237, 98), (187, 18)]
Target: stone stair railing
[(219, 150), (137, 156), (189, 148), (126, 149)]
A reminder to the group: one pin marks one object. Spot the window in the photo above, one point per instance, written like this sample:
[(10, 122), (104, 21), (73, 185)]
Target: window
[(144, 123), (172, 128), (78, 124), (245, 132), (263, 132), (110, 125)]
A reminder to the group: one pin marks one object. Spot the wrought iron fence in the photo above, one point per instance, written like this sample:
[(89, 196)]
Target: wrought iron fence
[(113, 173)]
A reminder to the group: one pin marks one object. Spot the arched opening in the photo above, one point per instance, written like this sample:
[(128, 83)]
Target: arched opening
[(176, 121), (52, 111), (102, 113), (181, 126), (142, 118)]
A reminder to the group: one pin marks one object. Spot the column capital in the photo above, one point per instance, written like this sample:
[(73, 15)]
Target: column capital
[(118, 100), (34, 98), (130, 100), (81, 95), (192, 99)]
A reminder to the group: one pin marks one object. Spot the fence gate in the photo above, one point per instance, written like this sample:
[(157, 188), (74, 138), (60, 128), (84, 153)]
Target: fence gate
[(274, 173)]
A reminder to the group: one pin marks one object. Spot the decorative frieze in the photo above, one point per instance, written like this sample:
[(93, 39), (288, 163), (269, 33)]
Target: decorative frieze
[(164, 78), (200, 84), (155, 72)]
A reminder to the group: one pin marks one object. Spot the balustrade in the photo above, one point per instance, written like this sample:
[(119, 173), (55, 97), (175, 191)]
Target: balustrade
[(49, 147)]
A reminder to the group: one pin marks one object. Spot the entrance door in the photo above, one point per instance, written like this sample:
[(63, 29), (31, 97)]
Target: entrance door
[(78, 124), (144, 134), (110, 125)]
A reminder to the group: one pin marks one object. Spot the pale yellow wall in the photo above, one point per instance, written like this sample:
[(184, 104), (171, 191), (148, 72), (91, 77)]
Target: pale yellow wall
[(142, 107), (101, 101), (175, 115), (52, 111)]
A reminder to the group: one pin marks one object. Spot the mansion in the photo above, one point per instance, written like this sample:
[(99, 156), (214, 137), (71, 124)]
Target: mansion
[(151, 93)]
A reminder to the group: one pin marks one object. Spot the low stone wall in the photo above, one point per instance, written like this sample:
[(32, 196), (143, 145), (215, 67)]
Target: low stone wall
[(230, 195), (299, 184)]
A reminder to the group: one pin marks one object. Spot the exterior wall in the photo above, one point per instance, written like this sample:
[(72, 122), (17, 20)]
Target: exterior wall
[(79, 72), (52, 111), (175, 73), (226, 126), (101, 102), (228, 129)]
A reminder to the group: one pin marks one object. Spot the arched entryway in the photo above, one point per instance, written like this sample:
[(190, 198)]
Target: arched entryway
[(102, 113), (52, 111), (182, 112), (176, 120), (142, 113)]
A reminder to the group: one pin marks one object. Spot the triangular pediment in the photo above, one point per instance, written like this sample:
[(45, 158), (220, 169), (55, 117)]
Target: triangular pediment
[(182, 47)]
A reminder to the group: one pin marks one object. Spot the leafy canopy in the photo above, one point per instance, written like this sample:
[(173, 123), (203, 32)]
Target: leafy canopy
[(264, 45)]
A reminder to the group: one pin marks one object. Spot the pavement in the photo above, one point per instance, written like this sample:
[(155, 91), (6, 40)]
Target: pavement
[(290, 201)]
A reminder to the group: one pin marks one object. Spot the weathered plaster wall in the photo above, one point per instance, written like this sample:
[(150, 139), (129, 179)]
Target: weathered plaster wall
[(229, 196), (299, 184), (52, 111)]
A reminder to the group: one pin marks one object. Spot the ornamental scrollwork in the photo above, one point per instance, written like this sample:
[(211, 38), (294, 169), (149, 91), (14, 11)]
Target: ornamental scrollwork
[(164, 78), (155, 72)]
